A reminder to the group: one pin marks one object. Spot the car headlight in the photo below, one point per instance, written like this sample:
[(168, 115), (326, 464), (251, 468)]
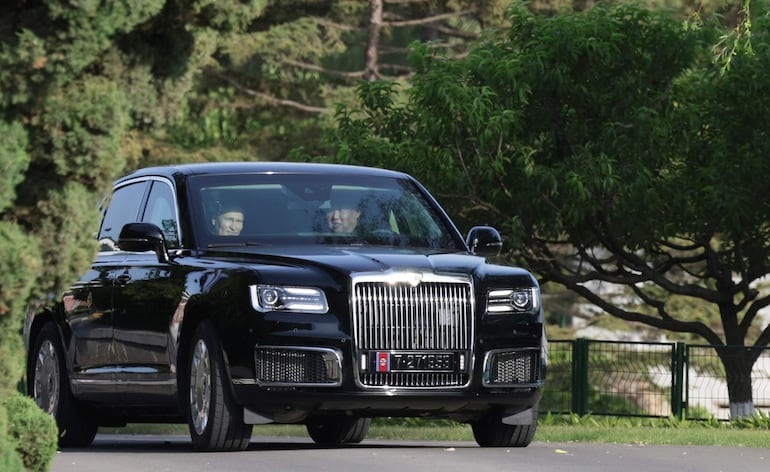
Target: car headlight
[(281, 298), (518, 300)]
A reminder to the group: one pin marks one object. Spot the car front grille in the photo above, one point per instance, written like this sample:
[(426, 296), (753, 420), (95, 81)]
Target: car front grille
[(413, 313), (413, 379)]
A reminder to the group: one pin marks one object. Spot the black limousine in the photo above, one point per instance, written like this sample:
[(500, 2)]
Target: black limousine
[(233, 294)]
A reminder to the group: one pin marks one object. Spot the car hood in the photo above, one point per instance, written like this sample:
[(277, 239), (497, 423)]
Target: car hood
[(312, 262)]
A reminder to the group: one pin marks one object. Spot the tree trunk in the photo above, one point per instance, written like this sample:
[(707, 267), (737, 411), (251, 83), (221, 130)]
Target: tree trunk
[(738, 363), (375, 28)]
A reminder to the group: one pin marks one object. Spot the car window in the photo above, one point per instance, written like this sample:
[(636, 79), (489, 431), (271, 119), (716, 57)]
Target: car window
[(161, 211), (316, 209), (123, 208)]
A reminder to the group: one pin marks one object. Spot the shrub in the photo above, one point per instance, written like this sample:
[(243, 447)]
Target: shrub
[(9, 458), (33, 431), (19, 267)]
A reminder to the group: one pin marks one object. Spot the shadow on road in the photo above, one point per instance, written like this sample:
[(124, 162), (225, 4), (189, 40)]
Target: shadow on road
[(172, 444)]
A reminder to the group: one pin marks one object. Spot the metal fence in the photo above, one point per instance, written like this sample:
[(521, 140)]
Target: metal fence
[(645, 379)]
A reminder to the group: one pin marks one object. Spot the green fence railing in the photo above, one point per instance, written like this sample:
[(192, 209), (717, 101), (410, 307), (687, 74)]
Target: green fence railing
[(649, 379)]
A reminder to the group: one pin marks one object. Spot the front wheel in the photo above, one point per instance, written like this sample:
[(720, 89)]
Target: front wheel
[(50, 388), (215, 421), (492, 432), (338, 430)]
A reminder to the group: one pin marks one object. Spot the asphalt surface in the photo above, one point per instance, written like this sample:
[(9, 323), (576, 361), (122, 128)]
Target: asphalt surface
[(134, 453)]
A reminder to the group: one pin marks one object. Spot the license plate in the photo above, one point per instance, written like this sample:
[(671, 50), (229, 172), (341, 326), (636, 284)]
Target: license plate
[(415, 362)]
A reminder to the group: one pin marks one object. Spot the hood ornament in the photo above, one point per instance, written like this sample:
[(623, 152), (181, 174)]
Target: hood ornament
[(413, 279)]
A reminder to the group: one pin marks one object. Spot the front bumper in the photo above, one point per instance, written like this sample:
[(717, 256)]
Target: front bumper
[(266, 405), (292, 383)]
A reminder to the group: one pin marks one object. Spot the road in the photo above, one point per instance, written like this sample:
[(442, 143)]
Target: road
[(137, 453)]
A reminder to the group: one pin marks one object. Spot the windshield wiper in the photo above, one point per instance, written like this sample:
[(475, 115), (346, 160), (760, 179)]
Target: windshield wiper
[(235, 244), (218, 245)]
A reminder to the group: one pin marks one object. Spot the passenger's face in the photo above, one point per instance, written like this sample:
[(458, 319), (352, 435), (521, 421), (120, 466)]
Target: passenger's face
[(229, 223), (342, 220)]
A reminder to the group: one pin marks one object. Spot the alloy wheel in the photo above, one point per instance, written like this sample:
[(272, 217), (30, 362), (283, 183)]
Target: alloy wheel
[(46, 386), (200, 386)]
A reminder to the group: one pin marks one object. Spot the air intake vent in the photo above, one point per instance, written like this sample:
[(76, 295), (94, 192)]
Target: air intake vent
[(284, 366), (514, 368)]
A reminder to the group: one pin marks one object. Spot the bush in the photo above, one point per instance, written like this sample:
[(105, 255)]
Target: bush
[(20, 264), (9, 458), (34, 432)]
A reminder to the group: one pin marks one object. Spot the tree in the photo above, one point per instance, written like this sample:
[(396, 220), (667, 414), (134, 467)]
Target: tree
[(277, 83), (80, 83), (609, 147), (89, 90)]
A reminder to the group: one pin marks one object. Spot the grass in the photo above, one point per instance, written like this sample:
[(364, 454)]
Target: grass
[(551, 428), (750, 432)]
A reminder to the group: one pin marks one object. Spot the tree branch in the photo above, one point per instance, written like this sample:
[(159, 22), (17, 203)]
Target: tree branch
[(426, 20), (322, 70), (405, 2), (753, 311), (639, 264), (269, 99), (339, 26), (667, 323), (456, 33)]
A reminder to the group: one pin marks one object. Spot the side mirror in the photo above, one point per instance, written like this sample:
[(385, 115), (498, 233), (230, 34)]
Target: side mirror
[(141, 237), (484, 241)]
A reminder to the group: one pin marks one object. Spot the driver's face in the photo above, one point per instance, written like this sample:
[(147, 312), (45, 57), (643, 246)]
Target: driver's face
[(229, 223), (342, 220)]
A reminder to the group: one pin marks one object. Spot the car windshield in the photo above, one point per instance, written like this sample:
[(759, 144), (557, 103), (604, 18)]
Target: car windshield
[(301, 209)]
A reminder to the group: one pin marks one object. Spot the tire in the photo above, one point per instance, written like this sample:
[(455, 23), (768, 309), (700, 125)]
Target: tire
[(338, 430), (49, 386), (215, 421), (492, 432)]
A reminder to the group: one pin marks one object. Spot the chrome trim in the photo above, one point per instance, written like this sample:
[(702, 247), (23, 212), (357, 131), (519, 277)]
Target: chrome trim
[(122, 382), (244, 381), (403, 310), (92, 382), (170, 382)]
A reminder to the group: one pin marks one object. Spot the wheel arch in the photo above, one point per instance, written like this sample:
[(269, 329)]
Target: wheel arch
[(35, 326), (195, 314)]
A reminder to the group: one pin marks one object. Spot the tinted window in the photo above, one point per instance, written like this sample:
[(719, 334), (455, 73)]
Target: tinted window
[(316, 209), (161, 211), (123, 208)]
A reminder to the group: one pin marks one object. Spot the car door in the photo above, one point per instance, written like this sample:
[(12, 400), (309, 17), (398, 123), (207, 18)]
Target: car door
[(88, 304), (147, 292), (88, 311)]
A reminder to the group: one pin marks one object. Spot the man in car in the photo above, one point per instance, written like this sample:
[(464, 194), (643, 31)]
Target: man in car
[(343, 215), (229, 221)]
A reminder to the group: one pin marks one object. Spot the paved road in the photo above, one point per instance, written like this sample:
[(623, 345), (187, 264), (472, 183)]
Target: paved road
[(137, 453)]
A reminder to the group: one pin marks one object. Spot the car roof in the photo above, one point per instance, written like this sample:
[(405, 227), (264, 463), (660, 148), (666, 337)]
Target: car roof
[(184, 170)]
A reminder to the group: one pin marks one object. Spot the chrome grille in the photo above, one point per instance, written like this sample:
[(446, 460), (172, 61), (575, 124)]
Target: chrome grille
[(408, 312), (413, 379)]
